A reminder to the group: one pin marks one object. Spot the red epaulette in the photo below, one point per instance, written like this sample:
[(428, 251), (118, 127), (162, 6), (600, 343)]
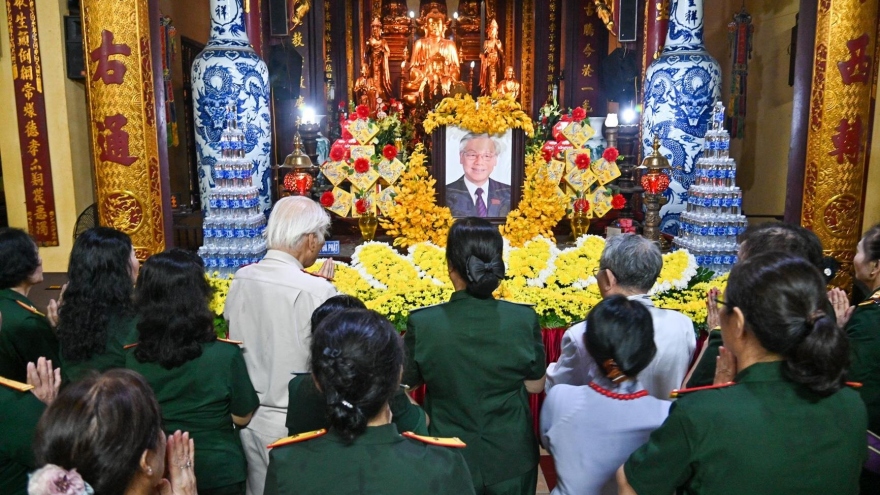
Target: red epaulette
[(228, 341), (299, 437), (854, 384), (678, 393), (14, 385), (30, 308), (453, 442), (130, 346)]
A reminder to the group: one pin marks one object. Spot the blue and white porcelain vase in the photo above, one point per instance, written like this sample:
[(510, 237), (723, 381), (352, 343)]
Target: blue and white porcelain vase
[(681, 87), (229, 72)]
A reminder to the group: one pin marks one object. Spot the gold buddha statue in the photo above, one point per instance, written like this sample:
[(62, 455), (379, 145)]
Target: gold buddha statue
[(509, 84), (422, 61), (492, 60), (364, 89), (377, 53)]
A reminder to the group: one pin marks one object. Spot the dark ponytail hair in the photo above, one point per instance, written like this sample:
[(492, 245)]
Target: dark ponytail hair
[(334, 305), (621, 330), (786, 307), (356, 359), (474, 249)]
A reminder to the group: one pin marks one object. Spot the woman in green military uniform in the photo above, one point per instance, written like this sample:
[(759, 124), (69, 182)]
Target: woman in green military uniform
[(786, 423), (21, 406), (201, 384), (357, 359), (306, 407), (863, 329), (480, 358), (26, 334), (96, 317)]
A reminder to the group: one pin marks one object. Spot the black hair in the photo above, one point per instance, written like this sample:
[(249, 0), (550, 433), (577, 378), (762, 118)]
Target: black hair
[(871, 244), (622, 330), (475, 240), (171, 298), (20, 257), (356, 358), (99, 287), (333, 305), (785, 305), (101, 426), (782, 237)]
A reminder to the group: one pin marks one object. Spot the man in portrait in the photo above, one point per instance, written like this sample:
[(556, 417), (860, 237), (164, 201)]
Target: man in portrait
[(475, 194)]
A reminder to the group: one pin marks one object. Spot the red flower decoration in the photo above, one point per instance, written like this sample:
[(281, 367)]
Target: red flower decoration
[(362, 205), (363, 111), (611, 154), (565, 118), (618, 201), (548, 155), (327, 199), (581, 205), (337, 153), (578, 114), (361, 165), (582, 161), (389, 152), (345, 134)]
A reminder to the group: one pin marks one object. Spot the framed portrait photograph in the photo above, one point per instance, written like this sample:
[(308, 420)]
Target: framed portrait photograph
[(478, 175)]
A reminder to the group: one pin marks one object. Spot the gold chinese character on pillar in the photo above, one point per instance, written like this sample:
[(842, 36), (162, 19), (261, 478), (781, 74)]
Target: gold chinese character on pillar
[(122, 109)]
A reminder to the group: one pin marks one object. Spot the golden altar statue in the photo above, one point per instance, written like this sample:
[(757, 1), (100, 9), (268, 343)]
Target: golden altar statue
[(492, 60), (377, 53), (434, 60), (509, 84)]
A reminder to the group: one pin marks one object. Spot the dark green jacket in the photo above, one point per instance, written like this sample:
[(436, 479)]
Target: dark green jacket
[(380, 461), (765, 435), (26, 336), (200, 396), (473, 355), (863, 330), (306, 409), (120, 332), (19, 413)]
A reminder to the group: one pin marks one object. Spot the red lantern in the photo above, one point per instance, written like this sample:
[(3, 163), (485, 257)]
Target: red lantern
[(655, 183)]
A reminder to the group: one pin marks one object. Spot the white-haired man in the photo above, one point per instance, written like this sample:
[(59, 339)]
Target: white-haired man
[(629, 266), (269, 308)]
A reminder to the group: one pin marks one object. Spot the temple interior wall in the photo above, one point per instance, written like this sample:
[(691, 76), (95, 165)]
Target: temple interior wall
[(762, 154)]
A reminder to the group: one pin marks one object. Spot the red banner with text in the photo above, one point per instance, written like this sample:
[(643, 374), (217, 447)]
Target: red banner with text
[(30, 106)]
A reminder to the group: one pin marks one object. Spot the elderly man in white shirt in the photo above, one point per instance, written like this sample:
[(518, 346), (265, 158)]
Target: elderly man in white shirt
[(269, 307), (629, 266)]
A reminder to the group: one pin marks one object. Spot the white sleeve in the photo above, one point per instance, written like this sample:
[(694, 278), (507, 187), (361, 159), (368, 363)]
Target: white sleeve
[(574, 366)]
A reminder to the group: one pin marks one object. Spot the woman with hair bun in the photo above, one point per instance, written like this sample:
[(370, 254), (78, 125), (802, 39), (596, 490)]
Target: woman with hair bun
[(785, 422), (591, 429), (480, 358), (357, 359)]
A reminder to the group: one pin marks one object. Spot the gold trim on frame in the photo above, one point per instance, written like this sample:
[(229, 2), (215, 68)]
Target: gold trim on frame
[(349, 50)]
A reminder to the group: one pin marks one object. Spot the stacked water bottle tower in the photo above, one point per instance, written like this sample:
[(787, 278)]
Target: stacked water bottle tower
[(234, 225), (713, 219)]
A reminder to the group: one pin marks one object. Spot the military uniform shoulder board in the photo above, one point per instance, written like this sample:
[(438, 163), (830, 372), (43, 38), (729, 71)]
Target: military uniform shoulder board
[(236, 342), (874, 299), (854, 384), (130, 346), (30, 308), (425, 307), (678, 393), (453, 442), (299, 437), (14, 385)]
